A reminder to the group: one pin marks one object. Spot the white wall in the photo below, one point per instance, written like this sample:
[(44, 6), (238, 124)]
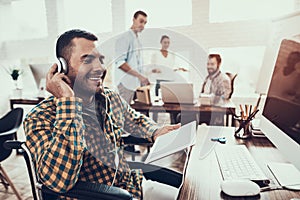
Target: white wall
[(282, 28), (215, 35)]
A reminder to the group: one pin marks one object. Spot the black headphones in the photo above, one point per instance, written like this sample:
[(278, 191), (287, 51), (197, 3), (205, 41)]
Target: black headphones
[(62, 66)]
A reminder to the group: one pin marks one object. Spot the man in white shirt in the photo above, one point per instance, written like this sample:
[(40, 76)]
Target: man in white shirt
[(129, 63)]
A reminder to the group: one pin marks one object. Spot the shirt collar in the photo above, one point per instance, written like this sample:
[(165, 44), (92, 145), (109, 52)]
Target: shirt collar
[(214, 75), (133, 33)]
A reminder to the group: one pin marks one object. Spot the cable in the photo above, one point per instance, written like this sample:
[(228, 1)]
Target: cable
[(273, 187), (277, 187), (115, 140)]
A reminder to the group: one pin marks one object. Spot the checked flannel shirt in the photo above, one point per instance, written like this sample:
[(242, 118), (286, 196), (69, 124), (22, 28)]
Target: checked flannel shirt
[(66, 146)]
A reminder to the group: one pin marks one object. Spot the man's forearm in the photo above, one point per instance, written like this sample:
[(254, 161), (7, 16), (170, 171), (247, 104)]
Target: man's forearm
[(126, 68)]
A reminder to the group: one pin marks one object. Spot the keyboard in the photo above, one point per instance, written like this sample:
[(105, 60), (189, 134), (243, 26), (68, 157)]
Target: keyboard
[(236, 162)]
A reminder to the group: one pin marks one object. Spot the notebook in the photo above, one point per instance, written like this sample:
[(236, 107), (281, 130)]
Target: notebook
[(173, 142)]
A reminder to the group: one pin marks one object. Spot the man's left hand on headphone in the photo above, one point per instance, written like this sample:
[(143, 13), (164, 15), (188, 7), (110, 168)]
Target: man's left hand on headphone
[(165, 129)]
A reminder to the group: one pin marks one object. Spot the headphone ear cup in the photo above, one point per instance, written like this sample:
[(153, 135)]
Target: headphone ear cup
[(59, 68), (62, 67)]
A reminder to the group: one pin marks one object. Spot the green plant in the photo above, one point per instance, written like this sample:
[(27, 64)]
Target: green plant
[(14, 73)]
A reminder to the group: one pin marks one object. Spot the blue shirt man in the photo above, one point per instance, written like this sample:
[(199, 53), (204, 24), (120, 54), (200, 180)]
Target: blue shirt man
[(129, 62)]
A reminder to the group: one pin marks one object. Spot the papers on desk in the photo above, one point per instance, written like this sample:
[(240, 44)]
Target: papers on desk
[(173, 142), (205, 99)]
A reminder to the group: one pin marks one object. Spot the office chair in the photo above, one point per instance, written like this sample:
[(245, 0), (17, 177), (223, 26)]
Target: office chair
[(129, 143), (232, 78), (89, 190), (9, 124), (81, 190)]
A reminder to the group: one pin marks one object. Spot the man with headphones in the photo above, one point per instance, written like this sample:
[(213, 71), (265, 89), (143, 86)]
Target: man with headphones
[(76, 133)]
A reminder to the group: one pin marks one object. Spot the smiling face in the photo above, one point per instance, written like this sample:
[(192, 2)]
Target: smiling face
[(212, 65), (85, 67), (139, 23)]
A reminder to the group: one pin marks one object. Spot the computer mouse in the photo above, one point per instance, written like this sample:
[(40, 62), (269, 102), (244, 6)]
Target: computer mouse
[(239, 188)]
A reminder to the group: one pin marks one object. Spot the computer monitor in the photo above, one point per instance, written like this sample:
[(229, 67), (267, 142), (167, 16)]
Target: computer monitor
[(281, 114), (39, 72)]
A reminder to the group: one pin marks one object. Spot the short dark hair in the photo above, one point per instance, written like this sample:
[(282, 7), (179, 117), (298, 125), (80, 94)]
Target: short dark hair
[(163, 37), (217, 56), (64, 42), (137, 13)]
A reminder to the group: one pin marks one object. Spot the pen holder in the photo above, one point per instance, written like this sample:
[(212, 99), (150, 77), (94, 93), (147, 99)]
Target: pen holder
[(244, 129)]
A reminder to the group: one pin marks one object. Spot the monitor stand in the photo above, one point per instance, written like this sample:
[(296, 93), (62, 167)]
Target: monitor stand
[(287, 175)]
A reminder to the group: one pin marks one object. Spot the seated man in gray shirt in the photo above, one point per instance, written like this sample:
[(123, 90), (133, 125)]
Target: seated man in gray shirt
[(216, 83)]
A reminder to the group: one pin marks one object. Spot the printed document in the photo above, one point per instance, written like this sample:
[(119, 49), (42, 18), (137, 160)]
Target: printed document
[(173, 142)]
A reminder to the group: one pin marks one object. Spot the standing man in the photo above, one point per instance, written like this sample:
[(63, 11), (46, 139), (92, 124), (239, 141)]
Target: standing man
[(216, 82), (129, 74)]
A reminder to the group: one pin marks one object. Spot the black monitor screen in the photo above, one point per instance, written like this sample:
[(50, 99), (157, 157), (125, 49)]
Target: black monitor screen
[(282, 105)]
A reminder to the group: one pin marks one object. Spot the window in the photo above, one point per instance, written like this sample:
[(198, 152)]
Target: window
[(235, 10), (246, 62), (165, 13), (20, 18), (91, 15)]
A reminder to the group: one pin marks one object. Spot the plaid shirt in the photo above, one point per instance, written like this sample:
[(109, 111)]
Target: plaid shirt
[(67, 146)]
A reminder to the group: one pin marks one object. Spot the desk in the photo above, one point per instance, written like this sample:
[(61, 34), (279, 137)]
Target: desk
[(206, 112), (203, 177)]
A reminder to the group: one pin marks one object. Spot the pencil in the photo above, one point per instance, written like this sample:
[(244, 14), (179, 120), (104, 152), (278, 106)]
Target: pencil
[(241, 108), (242, 112), (247, 110), (242, 115)]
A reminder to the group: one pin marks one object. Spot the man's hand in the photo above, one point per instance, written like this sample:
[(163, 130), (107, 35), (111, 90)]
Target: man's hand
[(181, 69), (144, 80), (126, 68), (156, 71), (58, 84), (165, 129)]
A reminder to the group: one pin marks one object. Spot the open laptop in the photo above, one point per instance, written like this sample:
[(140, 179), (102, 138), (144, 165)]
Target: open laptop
[(182, 93)]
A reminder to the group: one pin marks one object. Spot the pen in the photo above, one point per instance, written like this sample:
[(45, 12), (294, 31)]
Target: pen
[(257, 103), (253, 115), (250, 109)]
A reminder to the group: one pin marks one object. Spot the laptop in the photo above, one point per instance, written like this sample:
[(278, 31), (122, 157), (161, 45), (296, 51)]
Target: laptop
[(180, 93)]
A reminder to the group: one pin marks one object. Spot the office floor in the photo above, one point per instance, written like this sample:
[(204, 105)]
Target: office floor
[(16, 169)]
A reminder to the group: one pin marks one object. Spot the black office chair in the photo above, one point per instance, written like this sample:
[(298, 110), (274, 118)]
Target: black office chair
[(81, 190), (129, 143), (89, 190), (9, 124)]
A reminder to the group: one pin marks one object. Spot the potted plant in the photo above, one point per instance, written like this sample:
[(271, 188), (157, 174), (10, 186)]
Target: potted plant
[(15, 74)]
